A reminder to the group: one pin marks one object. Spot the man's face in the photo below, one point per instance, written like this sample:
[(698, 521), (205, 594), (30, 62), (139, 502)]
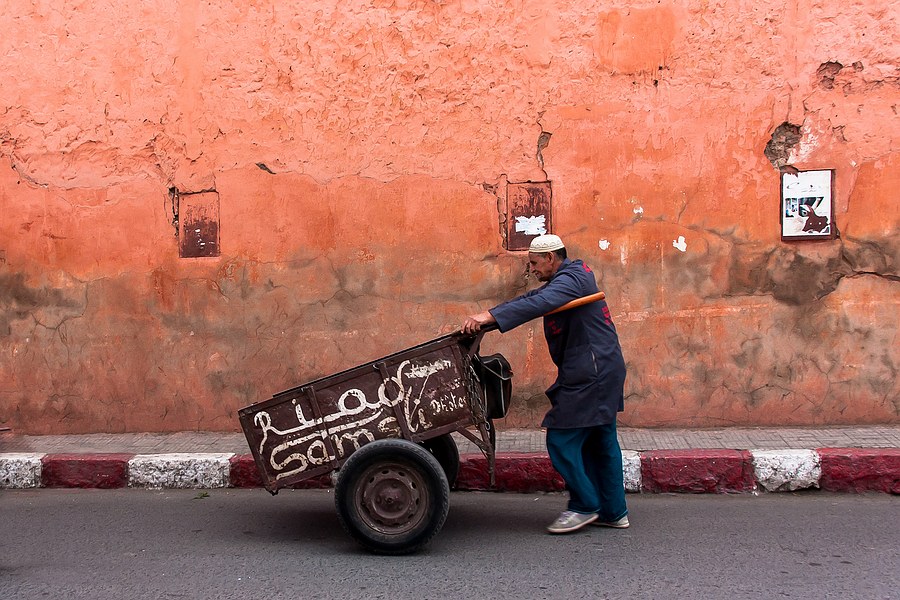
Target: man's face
[(542, 265)]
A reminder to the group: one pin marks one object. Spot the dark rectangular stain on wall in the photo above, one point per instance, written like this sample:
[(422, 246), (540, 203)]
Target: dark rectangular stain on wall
[(527, 213), (198, 235)]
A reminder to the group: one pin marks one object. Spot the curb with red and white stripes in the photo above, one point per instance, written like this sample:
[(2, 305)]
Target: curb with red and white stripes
[(655, 471)]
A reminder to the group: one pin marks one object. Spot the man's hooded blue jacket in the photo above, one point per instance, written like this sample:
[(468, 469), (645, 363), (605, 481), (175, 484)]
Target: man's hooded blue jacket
[(583, 344)]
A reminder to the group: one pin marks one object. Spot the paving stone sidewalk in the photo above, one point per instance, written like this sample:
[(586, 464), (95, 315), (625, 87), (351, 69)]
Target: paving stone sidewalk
[(508, 441)]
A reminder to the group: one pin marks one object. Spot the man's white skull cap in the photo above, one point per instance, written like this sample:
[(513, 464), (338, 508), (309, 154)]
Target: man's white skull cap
[(546, 243)]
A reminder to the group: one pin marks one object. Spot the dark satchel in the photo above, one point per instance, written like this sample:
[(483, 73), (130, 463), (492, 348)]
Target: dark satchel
[(495, 375)]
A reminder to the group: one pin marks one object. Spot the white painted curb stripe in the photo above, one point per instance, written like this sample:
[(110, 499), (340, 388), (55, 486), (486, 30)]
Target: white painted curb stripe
[(786, 470), (20, 470), (631, 468), (180, 471)]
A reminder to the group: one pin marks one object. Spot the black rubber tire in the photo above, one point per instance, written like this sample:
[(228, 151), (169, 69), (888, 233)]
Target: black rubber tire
[(392, 496), (444, 449)]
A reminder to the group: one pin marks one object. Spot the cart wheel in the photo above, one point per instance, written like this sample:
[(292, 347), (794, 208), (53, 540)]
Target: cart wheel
[(392, 496), (444, 449)]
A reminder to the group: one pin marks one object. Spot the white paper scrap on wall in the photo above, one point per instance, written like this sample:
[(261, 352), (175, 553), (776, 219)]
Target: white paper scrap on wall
[(531, 225), (604, 244), (680, 244)]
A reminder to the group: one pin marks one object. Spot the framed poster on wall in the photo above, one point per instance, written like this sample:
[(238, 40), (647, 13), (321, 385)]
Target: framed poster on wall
[(807, 205)]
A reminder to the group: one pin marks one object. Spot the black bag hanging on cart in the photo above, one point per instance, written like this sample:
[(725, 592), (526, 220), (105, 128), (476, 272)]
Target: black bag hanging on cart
[(495, 375)]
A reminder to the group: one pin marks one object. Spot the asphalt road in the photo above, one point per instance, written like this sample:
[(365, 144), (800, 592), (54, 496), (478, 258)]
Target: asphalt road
[(137, 544)]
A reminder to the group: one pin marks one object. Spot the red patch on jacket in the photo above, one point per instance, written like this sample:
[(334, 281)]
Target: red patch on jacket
[(586, 268), (553, 327), (607, 316)]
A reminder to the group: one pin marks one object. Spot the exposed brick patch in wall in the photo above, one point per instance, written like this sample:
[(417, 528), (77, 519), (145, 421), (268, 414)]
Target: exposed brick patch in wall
[(498, 190), (173, 203), (490, 188), (785, 137), (838, 133), (826, 73), (543, 141)]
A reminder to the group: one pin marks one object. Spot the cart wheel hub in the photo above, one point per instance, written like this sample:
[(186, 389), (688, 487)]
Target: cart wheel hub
[(391, 498)]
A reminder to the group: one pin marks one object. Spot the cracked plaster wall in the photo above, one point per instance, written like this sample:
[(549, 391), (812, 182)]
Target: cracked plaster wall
[(385, 134)]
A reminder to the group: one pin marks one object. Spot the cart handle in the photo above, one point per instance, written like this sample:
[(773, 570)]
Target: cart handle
[(567, 306), (578, 302)]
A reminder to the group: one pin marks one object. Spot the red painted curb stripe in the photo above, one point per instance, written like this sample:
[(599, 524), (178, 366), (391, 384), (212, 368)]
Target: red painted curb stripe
[(244, 474), (697, 471), (101, 471), (513, 473), (860, 470)]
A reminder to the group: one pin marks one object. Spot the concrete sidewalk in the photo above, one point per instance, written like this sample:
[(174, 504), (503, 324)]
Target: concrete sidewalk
[(664, 460), (514, 440)]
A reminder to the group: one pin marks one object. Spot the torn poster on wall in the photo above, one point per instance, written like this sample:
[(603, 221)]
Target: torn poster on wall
[(807, 205)]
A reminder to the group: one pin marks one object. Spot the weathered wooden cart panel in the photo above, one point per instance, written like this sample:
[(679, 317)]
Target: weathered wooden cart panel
[(416, 394)]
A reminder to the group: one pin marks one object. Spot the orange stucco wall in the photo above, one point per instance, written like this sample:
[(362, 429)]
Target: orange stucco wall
[(360, 157)]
